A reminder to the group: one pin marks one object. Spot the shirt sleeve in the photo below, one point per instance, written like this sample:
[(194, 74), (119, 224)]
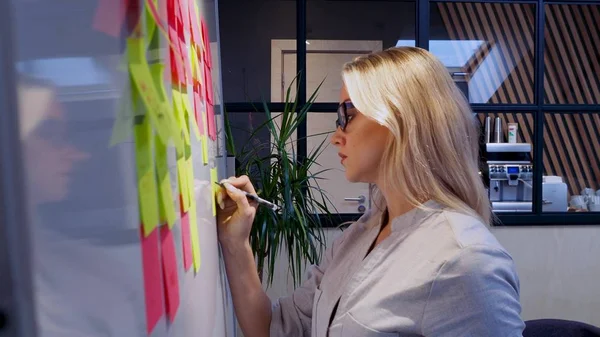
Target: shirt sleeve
[(476, 293), (291, 316)]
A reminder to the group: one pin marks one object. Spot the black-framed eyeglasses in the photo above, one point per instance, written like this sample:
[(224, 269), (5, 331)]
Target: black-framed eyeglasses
[(342, 113)]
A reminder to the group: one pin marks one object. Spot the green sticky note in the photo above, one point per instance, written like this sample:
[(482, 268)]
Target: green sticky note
[(166, 203), (156, 107), (182, 177), (179, 115), (190, 181), (205, 149), (195, 238), (191, 115), (147, 191), (157, 70)]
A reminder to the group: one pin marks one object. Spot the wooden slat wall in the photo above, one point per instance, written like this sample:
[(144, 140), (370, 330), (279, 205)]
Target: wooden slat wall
[(572, 76)]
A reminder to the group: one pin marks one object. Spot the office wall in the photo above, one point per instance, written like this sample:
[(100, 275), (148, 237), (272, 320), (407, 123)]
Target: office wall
[(559, 270)]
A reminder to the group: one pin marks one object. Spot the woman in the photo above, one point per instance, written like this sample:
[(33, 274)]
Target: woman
[(422, 262)]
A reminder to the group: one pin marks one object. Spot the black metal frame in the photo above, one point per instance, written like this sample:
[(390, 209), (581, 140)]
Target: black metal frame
[(538, 109)]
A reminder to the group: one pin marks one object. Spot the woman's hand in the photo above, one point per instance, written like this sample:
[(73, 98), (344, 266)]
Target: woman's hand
[(236, 212)]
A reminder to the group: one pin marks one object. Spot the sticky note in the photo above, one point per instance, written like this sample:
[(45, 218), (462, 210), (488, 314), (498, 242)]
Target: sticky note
[(210, 117), (195, 238), (206, 44), (183, 8), (214, 177), (186, 241), (156, 106), (190, 180), (194, 23), (190, 112), (166, 202), (179, 116), (147, 190), (153, 292), (155, 15), (177, 71), (182, 177), (208, 84), (110, 16), (205, 149), (157, 70), (169, 267)]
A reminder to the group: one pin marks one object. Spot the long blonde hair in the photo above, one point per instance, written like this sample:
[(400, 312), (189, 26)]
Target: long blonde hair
[(433, 153)]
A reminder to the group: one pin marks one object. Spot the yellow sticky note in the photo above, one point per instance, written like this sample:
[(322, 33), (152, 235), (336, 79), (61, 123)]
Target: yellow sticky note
[(195, 239), (190, 113), (166, 203), (182, 176), (142, 78), (157, 70), (147, 191), (190, 181), (214, 177), (179, 115), (205, 149)]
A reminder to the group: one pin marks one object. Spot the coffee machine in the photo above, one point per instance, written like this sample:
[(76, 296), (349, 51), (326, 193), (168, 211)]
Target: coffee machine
[(510, 174)]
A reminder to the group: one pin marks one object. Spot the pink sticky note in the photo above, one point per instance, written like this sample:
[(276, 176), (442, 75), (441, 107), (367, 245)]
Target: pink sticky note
[(169, 267), (206, 40), (210, 116), (110, 16), (198, 109), (188, 259), (208, 85), (152, 279)]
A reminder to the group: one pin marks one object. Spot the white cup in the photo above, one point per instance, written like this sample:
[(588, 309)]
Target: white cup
[(578, 201)]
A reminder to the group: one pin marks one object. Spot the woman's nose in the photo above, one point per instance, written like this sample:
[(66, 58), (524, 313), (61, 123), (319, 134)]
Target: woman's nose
[(337, 138)]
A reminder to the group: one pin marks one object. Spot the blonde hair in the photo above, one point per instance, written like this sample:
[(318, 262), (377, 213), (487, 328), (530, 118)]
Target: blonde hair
[(433, 154)]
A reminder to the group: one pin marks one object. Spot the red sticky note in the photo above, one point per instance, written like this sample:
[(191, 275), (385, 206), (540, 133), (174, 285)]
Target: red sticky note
[(152, 279), (109, 16), (208, 85), (188, 259), (177, 72), (206, 40), (210, 116), (169, 267)]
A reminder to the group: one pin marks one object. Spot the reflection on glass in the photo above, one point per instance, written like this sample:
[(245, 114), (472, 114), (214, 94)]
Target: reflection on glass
[(571, 162), (490, 46), (506, 164), (572, 63), (248, 32), (339, 31)]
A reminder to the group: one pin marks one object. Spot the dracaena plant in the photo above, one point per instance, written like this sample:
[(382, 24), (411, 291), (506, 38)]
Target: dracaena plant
[(289, 181)]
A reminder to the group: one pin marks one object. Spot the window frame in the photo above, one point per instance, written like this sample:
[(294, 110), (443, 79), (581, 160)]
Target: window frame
[(538, 108)]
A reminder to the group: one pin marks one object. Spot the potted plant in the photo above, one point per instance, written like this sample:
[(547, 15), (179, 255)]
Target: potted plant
[(290, 182)]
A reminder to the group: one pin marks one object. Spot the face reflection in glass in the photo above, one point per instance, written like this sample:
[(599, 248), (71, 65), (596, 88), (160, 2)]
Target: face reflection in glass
[(49, 158)]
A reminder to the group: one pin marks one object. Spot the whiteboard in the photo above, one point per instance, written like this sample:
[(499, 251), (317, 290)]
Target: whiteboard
[(80, 193)]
